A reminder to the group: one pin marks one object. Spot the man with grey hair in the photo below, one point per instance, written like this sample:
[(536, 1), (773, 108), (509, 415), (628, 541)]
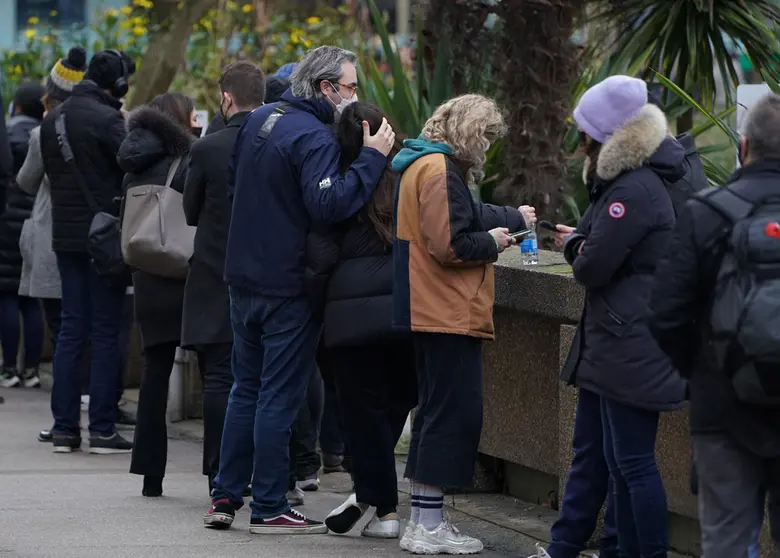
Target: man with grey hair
[(285, 175), (716, 313)]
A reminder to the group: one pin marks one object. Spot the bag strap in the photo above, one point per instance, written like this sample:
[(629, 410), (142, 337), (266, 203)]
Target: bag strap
[(727, 204), (67, 154), (272, 119), (172, 171)]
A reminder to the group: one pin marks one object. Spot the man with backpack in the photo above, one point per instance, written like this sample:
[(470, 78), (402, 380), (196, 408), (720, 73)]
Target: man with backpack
[(716, 313)]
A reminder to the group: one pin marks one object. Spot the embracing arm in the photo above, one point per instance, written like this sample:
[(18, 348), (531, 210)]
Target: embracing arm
[(31, 174)]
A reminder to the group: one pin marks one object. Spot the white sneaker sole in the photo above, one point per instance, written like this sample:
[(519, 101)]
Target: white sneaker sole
[(419, 547), (312, 530), (218, 520), (108, 451), (380, 535), (32, 383), (12, 383), (64, 449)]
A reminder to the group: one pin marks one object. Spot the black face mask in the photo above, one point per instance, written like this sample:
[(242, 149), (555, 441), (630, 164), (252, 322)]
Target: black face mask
[(196, 131)]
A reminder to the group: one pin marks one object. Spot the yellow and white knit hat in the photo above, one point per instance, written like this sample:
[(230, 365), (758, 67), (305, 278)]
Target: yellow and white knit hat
[(66, 73)]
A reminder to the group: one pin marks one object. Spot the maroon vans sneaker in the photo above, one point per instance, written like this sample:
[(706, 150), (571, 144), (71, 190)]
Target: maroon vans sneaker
[(289, 523), (220, 515)]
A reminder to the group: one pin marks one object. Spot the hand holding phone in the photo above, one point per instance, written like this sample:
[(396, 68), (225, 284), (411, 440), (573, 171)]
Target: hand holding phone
[(520, 234), (502, 238)]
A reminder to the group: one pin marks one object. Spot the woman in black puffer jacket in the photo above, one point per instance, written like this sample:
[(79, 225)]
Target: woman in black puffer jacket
[(372, 365), (157, 135), (28, 113)]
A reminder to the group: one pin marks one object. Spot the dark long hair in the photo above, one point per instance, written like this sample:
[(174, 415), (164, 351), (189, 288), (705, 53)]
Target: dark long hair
[(592, 150), (176, 105), (350, 135)]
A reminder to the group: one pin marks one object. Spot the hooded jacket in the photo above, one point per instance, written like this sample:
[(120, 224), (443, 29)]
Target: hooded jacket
[(153, 141), (442, 253), (614, 253), (286, 175)]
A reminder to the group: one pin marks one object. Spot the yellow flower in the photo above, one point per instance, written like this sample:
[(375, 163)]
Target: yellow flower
[(33, 20), (126, 10), (18, 69), (146, 4), (46, 39), (53, 13), (131, 41), (313, 20), (112, 13), (30, 33), (307, 43), (139, 31), (206, 25), (246, 8), (125, 24), (232, 5)]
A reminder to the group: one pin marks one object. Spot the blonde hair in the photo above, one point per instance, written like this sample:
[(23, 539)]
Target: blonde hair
[(469, 124)]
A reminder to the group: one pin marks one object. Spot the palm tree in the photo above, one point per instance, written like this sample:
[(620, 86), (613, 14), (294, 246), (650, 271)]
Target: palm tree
[(687, 39)]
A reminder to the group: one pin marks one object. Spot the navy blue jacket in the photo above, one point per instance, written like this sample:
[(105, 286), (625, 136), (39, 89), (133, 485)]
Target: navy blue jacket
[(623, 235), (280, 183)]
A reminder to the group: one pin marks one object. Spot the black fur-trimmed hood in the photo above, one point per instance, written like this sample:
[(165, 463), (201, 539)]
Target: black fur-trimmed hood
[(151, 137)]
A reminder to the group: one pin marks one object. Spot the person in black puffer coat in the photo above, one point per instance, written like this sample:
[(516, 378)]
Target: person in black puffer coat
[(28, 113), (372, 365), (157, 135)]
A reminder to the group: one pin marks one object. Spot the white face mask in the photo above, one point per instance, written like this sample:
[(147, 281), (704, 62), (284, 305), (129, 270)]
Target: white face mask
[(343, 103)]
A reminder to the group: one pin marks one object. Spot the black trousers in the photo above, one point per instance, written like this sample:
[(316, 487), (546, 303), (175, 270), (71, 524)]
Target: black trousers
[(150, 448), (217, 377), (448, 422), (377, 388)]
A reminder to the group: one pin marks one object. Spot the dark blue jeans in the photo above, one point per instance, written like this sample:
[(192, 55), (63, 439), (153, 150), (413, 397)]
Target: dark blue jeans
[(586, 489), (274, 347), (11, 307), (640, 498), (91, 310)]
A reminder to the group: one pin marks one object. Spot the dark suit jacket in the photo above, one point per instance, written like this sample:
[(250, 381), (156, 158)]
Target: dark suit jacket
[(206, 317)]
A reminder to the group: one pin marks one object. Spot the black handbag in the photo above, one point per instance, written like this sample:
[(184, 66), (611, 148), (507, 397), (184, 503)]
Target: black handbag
[(103, 241)]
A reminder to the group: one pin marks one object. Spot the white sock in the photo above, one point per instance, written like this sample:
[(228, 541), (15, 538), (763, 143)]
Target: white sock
[(431, 502), (415, 505)]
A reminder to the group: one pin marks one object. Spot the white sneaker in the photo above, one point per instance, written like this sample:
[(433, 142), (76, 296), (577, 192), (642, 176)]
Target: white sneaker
[(387, 528), (309, 485), (406, 540), (541, 552), (295, 497), (343, 518), (445, 539)]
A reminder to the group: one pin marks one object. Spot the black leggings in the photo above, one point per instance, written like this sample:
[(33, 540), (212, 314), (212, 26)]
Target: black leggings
[(377, 388), (150, 449)]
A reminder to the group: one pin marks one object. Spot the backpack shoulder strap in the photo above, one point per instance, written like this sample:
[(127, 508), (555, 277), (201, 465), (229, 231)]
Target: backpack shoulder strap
[(726, 203), (61, 131), (172, 171), (272, 119)]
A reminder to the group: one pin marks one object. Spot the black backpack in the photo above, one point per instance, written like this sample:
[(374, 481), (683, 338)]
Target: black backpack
[(695, 179), (745, 312)]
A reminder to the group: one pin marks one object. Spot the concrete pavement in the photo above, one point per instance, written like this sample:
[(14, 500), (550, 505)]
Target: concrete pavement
[(83, 505)]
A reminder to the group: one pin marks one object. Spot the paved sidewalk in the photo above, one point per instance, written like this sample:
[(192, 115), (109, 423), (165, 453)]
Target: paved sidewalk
[(84, 506)]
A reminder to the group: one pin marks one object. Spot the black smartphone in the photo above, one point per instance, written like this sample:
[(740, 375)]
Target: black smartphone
[(548, 225), (520, 234)]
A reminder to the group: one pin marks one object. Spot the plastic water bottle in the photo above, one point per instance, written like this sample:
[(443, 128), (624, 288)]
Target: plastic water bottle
[(529, 248)]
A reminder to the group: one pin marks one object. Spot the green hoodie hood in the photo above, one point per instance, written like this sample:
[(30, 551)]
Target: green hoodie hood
[(416, 148)]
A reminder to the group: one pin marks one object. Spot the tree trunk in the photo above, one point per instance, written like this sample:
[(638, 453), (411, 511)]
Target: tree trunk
[(539, 61), (167, 47)]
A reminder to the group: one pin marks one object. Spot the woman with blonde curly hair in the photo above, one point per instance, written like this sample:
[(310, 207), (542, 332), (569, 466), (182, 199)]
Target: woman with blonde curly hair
[(443, 252)]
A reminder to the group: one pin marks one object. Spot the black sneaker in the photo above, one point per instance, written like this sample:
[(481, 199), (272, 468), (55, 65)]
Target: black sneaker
[(332, 463), (9, 378), (107, 445), (289, 523), (220, 515), (124, 418), (45, 436), (31, 378), (64, 443)]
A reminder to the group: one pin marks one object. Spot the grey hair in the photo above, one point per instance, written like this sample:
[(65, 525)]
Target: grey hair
[(762, 127), (321, 64)]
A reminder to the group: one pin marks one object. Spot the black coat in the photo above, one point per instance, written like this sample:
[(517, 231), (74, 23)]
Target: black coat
[(6, 160), (359, 294), (681, 304), (626, 230), (18, 207), (153, 142), (206, 301), (96, 129)]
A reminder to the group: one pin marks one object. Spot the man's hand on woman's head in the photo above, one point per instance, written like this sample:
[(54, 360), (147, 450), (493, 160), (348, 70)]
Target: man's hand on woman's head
[(384, 139)]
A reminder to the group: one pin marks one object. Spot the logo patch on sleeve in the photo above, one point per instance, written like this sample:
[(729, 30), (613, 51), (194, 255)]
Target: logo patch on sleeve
[(617, 210), (325, 183)]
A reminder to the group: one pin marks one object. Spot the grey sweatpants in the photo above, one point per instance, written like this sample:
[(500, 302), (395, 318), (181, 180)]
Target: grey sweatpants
[(734, 485)]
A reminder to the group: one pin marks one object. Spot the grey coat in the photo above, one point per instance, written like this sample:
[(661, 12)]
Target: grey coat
[(40, 275)]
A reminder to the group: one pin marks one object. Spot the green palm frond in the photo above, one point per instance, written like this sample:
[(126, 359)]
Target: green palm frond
[(685, 39)]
